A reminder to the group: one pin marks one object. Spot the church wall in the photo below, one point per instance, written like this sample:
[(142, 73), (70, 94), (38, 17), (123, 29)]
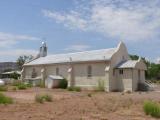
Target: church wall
[(80, 72), (124, 81), (63, 70), (98, 74), (29, 69), (120, 55)]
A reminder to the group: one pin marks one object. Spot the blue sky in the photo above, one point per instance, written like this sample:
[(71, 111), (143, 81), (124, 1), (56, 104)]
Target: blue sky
[(77, 25)]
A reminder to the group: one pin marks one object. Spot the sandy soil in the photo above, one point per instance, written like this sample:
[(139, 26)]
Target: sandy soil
[(77, 105)]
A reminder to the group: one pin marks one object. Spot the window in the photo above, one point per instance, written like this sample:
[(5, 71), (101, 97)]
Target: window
[(57, 71), (89, 71), (34, 74), (121, 72)]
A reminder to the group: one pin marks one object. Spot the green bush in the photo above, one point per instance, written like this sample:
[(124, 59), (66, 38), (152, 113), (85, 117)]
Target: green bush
[(89, 95), (5, 100), (3, 88), (39, 98), (70, 89), (42, 98), (48, 98), (152, 108), (63, 84), (29, 85), (78, 89), (22, 86)]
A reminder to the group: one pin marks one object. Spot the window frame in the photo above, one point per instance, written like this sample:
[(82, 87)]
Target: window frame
[(121, 71), (89, 71)]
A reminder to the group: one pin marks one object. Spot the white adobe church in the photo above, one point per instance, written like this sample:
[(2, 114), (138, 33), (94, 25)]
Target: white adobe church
[(86, 69)]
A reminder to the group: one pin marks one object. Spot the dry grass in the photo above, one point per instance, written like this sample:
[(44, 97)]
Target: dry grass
[(77, 105)]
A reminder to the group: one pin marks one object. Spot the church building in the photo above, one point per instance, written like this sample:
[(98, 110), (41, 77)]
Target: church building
[(112, 67)]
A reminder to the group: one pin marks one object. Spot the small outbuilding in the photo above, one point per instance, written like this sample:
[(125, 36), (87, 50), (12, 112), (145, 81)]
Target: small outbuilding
[(129, 74), (53, 81)]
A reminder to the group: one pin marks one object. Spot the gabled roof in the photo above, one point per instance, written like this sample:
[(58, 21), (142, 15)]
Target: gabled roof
[(127, 64), (94, 55)]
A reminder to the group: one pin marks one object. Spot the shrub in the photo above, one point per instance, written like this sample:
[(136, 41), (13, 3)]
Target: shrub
[(42, 98), (14, 88), (5, 100), (63, 84), (89, 95), (152, 108), (48, 98), (3, 88), (39, 98), (78, 89), (101, 86), (29, 85), (70, 89), (22, 86)]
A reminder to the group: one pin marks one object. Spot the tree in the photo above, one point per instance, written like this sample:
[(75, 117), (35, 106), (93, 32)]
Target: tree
[(23, 59), (134, 57), (153, 70)]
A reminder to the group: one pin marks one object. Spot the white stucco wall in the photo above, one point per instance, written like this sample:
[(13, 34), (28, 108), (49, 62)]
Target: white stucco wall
[(80, 72), (98, 73), (124, 81), (28, 71), (63, 70), (135, 79), (120, 55)]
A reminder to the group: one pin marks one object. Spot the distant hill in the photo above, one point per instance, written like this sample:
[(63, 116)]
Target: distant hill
[(8, 66)]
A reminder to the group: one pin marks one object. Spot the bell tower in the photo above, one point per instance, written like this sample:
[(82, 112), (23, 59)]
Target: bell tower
[(43, 50)]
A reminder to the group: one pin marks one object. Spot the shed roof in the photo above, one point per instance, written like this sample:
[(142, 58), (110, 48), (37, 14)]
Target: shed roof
[(127, 64), (55, 77), (11, 72), (94, 55)]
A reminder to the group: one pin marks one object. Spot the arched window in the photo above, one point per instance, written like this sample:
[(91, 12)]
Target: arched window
[(89, 71), (57, 71), (34, 74)]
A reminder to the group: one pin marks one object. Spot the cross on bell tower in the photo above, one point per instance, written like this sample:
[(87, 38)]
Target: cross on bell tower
[(43, 50)]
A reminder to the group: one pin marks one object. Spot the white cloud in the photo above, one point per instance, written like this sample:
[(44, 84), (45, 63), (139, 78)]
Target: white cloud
[(71, 20), (157, 60), (136, 20), (77, 48), (18, 52), (8, 39)]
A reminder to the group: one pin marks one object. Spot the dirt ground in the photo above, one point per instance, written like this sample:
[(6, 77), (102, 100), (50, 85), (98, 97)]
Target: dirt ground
[(68, 105)]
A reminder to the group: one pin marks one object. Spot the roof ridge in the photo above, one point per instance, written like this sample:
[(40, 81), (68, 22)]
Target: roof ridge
[(80, 52)]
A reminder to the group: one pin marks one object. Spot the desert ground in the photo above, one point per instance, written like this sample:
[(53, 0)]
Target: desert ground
[(84, 105)]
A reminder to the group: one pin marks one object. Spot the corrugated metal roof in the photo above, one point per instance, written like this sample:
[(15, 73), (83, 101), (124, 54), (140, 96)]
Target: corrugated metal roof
[(127, 64), (55, 77), (94, 55)]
